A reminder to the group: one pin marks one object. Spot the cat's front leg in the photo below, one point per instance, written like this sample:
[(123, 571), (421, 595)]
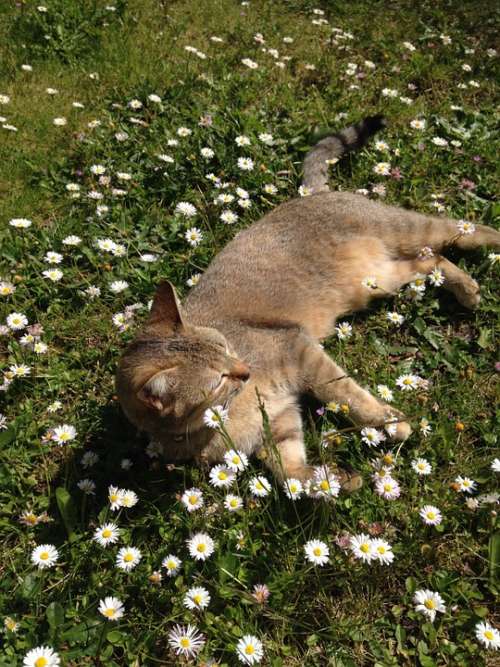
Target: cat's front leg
[(322, 378)]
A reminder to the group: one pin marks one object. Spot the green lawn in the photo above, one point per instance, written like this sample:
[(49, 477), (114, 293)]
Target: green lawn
[(110, 171)]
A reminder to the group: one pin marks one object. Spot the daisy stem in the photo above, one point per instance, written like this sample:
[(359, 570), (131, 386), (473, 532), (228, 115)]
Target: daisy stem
[(99, 644)]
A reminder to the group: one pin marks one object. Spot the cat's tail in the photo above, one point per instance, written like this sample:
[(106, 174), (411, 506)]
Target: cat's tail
[(332, 148)]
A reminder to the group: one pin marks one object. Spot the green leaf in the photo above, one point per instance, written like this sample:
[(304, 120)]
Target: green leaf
[(55, 614), (31, 585), (68, 511), (411, 584), (115, 637), (494, 556), (7, 437), (484, 339)]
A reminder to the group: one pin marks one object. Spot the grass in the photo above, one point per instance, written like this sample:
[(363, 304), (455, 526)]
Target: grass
[(346, 613)]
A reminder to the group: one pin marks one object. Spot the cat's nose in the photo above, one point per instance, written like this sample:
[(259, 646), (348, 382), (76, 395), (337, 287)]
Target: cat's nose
[(240, 371)]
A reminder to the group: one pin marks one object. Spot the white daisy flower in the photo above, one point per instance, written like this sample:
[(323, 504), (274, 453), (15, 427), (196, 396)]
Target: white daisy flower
[(382, 551), (241, 140), (197, 598), (201, 546), (172, 564), (344, 330), (192, 499), (249, 650), (45, 556), (109, 533), (259, 486), (385, 393), (408, 382), (229, 217), (431, 515), (465, 484), (421, 466), (193, 236), (186, 640), (245, 163), (251, 64), (429, 603), (118, 286), (304, 191), (20, 223), (52, 257), (418, 124), (293, 488), (436, 277), (487, 635), (382, 169), (186, 209), (72, 240), (184, 132), (362, 547), (127, 558), (465, 227), (372, 436), (19, 370), (222, 476), (7, 288), (115, 497), (215, 417), (53, 275), (111, 608), (63, 434), (128, 498), (324, 484), (439, 141), (207, 153), (317, 552), (233, 503), (41, 656), (495, 465), (87, 486), (388, 488), (17, 321), (236, 460), (370, 282)]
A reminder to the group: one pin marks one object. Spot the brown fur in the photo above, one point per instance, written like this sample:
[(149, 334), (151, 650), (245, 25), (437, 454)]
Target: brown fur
[(258, 315)]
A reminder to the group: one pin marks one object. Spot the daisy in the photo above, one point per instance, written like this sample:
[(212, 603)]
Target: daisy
[(249, 650), (98, 169), (42, 656), (111, 608), (147, 257), (439, 141), (45, 555), (465, 484), (372, 436), (369, 282), (428, 603), (10, 624), (87, 486), (186, 209), (172, 564), (127, 558), (293, 488), (259, 486), (408, 382), (233, 503), (53, 257), (425, 427), (63, 434), (201, 546), (193, 236), (385, 393), (197, 598), (109, 533), (324, 484), (304, 191), (249, 63), (216, 416), (19, 370), (115, 497), (494, 258), (431, 515), (382, 551), (229, 217), (388, 488), (186, 640), (245, 164), (317, 552), (7, 288), (184, 132), (382, 169), (222, 476), (192, 499), (128, 498), (381, 146), (270, 189), (421, 466), (362, 547), (16, 321), (207, 153), (495, 465), (20, 223), (118, 286), (465, 227), (72, 240), (60, 122), (436, 277), (418, 124), (487, 635), (236, 460), (344, 330), (54, 275), (241, 140)]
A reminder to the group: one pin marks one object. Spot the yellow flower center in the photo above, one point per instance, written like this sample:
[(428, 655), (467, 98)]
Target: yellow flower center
[(41, 662), (293, 488), (259, 486), (324, 486), (197, 598), (64, 435), (128, 558), (431, 515), (106, 533), (171, 565), (419, 282), (388, 459), (30, 518), (201, 547), (113, 497), (233, 502), (317, 551), (222, 475), (381, 549), (489, 635), (430, 604), (249, 649), (407, 381), (193, 500), (109, 612), (236, 460), (184, 642), (44, 555), (365, 547), (387, 487)]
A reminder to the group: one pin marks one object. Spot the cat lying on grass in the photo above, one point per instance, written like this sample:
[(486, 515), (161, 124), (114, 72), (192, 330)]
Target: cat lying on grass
[(250, 331)]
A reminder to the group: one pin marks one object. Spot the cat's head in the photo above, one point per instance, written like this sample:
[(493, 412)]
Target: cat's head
[(173, 371)]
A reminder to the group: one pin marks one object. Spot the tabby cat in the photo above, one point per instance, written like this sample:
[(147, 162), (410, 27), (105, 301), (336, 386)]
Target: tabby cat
[(252, 326)]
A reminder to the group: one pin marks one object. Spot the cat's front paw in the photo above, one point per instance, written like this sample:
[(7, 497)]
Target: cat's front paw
[(396, 425)]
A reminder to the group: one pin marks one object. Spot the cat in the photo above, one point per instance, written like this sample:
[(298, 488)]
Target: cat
[(249, 334)]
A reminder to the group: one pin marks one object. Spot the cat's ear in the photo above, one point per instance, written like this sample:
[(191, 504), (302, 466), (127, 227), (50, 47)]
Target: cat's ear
[(158, 392), (165, 311)]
